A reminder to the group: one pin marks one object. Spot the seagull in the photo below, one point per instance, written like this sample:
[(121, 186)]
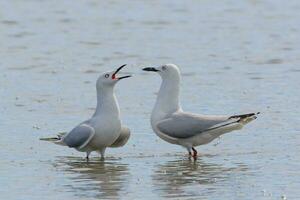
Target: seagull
[(189, 130), (104, 128)]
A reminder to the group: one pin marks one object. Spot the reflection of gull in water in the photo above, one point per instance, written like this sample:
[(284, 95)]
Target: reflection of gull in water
[(185, 178), (93, 179)]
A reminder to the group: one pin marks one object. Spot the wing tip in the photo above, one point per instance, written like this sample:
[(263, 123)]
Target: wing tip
[(245, 116)]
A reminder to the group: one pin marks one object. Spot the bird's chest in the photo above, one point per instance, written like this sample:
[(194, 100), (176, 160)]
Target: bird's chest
[(107, 130), (157, 116), (107, 124)]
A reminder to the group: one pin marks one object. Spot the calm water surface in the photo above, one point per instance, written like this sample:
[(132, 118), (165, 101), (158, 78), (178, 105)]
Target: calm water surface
[(235, 56)]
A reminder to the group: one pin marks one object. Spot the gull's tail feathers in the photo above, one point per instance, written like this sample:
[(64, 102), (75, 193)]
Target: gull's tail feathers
[(56, 140), (245, 118), (235, 122)]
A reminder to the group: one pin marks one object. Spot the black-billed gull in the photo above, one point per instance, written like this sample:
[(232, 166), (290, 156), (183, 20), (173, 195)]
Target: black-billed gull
[(189, 130), (104, 129)]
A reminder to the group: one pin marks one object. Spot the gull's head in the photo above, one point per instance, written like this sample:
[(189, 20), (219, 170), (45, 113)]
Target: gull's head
[(110, 78), (165, 71)]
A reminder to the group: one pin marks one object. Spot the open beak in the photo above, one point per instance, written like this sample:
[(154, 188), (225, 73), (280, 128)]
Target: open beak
[(119, 78), (150, 69)]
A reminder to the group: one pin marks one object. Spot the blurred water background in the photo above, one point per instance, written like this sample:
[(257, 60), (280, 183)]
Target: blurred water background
[(235, 57)]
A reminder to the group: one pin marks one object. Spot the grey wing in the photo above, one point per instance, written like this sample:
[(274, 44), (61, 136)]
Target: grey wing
[(79, 136), (185, 125)]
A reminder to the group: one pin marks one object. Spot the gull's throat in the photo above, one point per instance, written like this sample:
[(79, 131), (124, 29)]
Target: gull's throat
[(168, 96), (107, 102)]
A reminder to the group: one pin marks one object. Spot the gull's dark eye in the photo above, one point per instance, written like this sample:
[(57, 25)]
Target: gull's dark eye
[(164, 68), (106, 75)]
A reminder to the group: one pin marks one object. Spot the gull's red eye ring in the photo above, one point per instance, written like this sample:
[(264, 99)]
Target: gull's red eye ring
[(106, 75)]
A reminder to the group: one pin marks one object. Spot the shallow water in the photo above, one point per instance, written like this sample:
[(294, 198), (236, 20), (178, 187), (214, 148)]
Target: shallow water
[(235, 57)]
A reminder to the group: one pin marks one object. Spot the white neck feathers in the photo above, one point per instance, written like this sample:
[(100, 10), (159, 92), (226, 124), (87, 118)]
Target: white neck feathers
[(107, 102)]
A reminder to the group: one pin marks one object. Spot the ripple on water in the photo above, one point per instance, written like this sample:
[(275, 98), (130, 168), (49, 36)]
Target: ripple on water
[(163, 57), (97, 64), (9, 22), (91, 71), (156, 22), (66, 20), (18, 47), (294, 70), (188, 74), (227, 68), (24, 68), (272, 61), (256, 78), (21, 34), (287, 48), (131, 56), (90, 43)]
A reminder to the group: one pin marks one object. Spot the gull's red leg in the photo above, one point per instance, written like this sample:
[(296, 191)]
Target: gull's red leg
[(190, 151), (87, 155), (194, 153)]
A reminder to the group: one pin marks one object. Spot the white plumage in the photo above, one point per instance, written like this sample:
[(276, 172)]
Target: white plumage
[(189, 130), (104, 128)]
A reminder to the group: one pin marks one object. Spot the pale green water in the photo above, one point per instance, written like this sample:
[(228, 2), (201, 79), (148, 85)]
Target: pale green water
[(236, 56)]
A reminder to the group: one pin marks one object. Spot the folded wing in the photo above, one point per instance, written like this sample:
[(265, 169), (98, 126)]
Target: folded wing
[(185, 125), (79, 136), (123, 138)]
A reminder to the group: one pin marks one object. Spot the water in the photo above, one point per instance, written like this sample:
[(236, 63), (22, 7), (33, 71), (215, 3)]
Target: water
[(235, 56)]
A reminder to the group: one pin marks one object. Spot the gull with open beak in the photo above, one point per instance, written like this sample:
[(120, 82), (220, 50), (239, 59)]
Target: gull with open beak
[(104, 128), (189, 130)]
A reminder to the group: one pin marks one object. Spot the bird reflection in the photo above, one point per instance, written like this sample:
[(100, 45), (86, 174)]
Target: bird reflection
[(95, 178), (188, 178)]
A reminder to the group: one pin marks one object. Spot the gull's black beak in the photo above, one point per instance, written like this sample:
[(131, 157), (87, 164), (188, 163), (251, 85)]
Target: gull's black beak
[(119, 78), (150, 69)]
